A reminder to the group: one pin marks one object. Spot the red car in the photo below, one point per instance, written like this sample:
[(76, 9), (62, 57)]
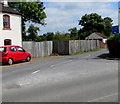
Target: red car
[(11, 53)]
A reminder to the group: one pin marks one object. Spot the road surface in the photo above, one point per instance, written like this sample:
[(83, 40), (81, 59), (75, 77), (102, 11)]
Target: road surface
[(78, 78)]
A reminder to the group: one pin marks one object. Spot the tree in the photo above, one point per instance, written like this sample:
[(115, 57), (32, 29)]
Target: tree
[(61, 36), (31, 11), (32, 33), (95, 23), (74, 33), (49, 36), (108, 26)]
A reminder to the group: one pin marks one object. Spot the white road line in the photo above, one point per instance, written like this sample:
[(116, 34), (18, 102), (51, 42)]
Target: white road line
[(103, 97), (52, 65), (70, 60), (35, 72), (60, 63), (86, 56)]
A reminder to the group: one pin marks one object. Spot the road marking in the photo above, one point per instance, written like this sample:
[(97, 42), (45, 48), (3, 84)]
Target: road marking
[(103, 97), (61, 63), (70, 60), (52, 66), (35, 72), (86, 56)]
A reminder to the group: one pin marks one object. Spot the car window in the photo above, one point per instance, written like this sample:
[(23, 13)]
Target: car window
[(20, 49), (2, 49), (13, 49)]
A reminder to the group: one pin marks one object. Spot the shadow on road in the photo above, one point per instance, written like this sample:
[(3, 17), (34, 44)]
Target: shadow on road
[(107, 56), (104, 56)]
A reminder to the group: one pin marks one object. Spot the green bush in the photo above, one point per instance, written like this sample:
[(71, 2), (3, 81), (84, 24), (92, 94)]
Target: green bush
[(114, 45)]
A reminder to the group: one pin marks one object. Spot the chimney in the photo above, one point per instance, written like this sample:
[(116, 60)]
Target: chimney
[(4, 2)]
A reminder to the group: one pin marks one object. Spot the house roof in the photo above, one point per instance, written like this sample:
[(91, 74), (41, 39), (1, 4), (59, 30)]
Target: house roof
[(96, 35), (9, 10), (101, 35)]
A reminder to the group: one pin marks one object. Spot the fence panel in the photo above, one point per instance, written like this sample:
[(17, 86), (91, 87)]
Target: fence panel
[(75, 46), (39, 49)]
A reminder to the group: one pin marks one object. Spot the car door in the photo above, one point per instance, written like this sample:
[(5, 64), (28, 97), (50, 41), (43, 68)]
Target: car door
[(13, 53), (21, 53)]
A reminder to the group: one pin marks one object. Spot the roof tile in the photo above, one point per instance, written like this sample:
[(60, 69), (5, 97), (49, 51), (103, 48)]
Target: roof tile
[(102, 35), (9, 10)]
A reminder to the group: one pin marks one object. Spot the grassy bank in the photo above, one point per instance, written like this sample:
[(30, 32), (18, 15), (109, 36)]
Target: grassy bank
[(85, 52)]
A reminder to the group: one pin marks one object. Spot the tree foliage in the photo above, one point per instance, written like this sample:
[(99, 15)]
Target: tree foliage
[(31, 11), (61, 36), (50, 36), (95, 23), (32, 32), (73, 33), (113, 44)]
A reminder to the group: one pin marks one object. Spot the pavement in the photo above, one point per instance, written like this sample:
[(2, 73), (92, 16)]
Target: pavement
[(78, 78), (32, 61)]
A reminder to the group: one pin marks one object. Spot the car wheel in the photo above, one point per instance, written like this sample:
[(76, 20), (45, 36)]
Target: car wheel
[(10, 61), (28, 58)]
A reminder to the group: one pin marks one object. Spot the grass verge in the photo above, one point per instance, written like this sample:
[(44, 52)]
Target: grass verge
[(85, 52)]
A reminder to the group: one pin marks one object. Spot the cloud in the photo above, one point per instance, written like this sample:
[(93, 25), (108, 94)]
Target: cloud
[(79, 0), (62, 16)]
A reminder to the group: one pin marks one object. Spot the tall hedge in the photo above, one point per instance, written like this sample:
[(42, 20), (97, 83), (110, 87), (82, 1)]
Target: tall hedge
[(114, 45)]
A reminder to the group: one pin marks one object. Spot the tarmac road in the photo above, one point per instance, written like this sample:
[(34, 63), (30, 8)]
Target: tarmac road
[(78, 78)]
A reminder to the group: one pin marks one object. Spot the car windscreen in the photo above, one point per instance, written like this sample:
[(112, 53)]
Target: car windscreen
[(2, 49)]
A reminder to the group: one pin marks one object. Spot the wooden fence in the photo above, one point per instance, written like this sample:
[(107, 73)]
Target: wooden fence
[(40, 49)]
